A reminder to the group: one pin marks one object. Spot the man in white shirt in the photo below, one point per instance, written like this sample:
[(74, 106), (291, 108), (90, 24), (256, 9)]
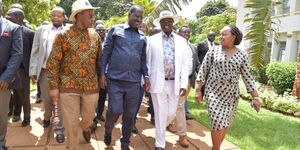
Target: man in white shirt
[(42, 46)]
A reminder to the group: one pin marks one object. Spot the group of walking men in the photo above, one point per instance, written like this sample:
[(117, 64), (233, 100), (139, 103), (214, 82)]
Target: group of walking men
[(77, 65)]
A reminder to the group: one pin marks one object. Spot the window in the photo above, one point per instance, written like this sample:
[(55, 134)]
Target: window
[(281, 54), (286, 5), (267, 54)]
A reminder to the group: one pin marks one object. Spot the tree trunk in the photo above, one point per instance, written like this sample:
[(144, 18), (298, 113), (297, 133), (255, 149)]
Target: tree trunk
[(296, 88)]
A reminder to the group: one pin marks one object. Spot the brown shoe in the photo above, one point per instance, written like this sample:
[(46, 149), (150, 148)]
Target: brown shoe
[(183, 141), (87, 135), (171, 127)]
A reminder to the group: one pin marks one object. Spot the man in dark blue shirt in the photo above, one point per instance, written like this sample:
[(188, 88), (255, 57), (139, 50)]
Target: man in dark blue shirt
[(124, 57)]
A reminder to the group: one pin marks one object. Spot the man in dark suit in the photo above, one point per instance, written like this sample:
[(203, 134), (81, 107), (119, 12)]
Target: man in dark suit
[(204, 46), (22, 95), (11, 56)]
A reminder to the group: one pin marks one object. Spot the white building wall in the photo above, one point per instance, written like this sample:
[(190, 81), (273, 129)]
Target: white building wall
[(289, 30)]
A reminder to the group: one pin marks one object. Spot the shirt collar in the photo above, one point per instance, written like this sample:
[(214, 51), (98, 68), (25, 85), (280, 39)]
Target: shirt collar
[(126, 26), (53, 27), (165, 35), (210, 42)]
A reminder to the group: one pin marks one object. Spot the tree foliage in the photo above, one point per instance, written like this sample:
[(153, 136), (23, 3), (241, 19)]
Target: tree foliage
[(215, 23), (108, 8), (36, 11), (171, 5), (260, 29), (212, 8)]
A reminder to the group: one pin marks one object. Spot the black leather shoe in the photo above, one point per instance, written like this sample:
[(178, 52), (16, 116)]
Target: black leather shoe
[(25, 123), (125, 148), (158, 148), (60, 138), (188, 118), (16, 118), (87, 135), (100, 118), (10, 113), (135, 130), (107, 139), (3, 148), (94, 126), (38, 100), (46, 123)]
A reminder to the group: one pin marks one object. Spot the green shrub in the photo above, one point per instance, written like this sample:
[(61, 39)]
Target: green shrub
[(282, 76), (260, 74), (286, 103)]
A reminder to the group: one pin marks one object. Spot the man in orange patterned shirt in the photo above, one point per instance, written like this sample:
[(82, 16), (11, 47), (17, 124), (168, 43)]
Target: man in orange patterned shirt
[(72, 73)]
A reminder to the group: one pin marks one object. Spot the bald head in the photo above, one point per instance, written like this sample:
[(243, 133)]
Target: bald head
[(15, 15), (211, 36)]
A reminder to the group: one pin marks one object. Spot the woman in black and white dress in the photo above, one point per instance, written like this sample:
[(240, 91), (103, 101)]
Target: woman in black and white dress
[(220, 71)]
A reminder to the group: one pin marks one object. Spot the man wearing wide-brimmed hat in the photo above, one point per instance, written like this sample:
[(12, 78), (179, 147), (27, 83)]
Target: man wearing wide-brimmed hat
[(72, 73), (167, 59)]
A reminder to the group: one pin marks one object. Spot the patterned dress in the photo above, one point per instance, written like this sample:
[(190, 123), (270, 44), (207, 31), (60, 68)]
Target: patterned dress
[(222, 84)]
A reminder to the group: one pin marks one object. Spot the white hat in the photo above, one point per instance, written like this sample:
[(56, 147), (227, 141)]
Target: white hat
[(79, 6), (165, 14)]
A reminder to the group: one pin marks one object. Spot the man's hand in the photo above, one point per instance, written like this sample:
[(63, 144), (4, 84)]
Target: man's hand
[(3, 85), (33, 78), (103, 82), (182, 92), (147, 84), (54, 94)]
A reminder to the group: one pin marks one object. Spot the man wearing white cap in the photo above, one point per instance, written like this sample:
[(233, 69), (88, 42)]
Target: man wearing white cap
[(167, 60), (72, 73)]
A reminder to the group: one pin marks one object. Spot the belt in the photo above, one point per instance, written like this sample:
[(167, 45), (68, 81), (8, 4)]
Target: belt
[(169, 78)]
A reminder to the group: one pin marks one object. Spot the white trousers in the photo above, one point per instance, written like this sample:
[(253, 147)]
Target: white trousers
[(165, 106)]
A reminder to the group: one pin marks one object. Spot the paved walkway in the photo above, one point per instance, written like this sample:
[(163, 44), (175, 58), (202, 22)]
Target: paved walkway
[(35, 137)]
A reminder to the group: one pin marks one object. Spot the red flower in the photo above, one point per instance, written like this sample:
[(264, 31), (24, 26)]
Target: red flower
[(5, 34)]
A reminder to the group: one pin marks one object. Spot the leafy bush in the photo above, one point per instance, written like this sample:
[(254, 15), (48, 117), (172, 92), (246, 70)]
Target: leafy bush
[(286, 103), (260, 74), (282, 76)]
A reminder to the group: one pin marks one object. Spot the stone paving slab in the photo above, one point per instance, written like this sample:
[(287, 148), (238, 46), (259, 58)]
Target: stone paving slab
[(35, 137)]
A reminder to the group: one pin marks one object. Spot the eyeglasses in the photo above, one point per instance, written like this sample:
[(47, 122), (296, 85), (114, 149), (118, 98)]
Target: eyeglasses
[(90, 16)]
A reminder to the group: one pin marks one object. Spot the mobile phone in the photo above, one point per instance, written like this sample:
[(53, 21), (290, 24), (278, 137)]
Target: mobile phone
[(254, 107)]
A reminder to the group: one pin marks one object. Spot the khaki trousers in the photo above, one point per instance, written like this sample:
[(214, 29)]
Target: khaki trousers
[(4, 105), (48, 103), (180, 113), (73, 107)]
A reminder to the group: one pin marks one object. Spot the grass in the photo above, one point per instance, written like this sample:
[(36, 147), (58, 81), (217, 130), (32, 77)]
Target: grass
[(250, 130)]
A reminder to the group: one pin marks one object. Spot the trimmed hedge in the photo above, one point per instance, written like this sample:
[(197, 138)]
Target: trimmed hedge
[(259, 74), (285, 104), (281, 76)]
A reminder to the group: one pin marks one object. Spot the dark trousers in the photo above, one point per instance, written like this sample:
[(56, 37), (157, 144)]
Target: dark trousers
[(101, 101), (123, 98), (21, 96), (38, 94), (150, 103), (139, 104)]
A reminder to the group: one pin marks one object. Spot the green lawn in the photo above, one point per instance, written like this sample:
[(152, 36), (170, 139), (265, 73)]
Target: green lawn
[(250, 130)]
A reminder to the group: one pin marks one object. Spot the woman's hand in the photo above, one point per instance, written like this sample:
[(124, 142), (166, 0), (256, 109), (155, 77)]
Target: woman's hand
[(198, 97), (256, 103)]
